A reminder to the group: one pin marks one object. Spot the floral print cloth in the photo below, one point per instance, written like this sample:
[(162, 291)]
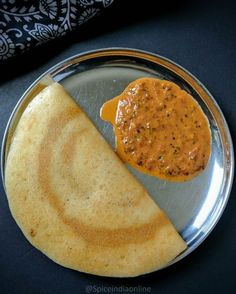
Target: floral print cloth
[(25, 24)]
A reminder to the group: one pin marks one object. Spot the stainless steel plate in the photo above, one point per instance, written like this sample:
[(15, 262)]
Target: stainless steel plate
[(94, 77)]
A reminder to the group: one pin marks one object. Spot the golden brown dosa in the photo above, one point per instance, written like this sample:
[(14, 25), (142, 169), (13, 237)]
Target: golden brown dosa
[(75, 200)]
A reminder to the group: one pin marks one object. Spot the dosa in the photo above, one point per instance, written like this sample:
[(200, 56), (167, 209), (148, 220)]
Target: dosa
[(74, 199)]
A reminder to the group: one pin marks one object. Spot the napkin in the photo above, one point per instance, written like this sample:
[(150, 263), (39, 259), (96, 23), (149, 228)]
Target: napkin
[(25, 24)]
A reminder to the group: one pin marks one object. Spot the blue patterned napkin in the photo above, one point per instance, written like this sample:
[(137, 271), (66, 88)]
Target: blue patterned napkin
[(25, 24)]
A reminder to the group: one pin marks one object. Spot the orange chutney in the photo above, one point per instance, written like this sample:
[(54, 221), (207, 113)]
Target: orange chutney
[(160, 129)]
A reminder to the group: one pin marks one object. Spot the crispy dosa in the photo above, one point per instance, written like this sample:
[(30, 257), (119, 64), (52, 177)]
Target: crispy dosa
[(75, 200)]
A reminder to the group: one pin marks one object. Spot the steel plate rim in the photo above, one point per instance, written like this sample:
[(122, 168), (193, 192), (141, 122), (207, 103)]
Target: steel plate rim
[(114, 50)]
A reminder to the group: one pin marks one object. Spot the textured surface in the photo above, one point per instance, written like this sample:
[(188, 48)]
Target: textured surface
[(26, 24), (78, 203), (160, 129), (201, 37)]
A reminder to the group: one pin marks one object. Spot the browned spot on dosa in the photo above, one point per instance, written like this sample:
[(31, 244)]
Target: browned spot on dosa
[(68, 148), (116, 237)]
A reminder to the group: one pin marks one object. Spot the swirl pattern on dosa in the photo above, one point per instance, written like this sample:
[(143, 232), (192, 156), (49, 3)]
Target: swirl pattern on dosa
[(75, 200)]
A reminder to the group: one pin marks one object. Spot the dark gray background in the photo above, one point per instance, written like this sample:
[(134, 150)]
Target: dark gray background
[(200, 36)]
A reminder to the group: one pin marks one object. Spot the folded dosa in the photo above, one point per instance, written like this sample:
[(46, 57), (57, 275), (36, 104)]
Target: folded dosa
[(75, 200)]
